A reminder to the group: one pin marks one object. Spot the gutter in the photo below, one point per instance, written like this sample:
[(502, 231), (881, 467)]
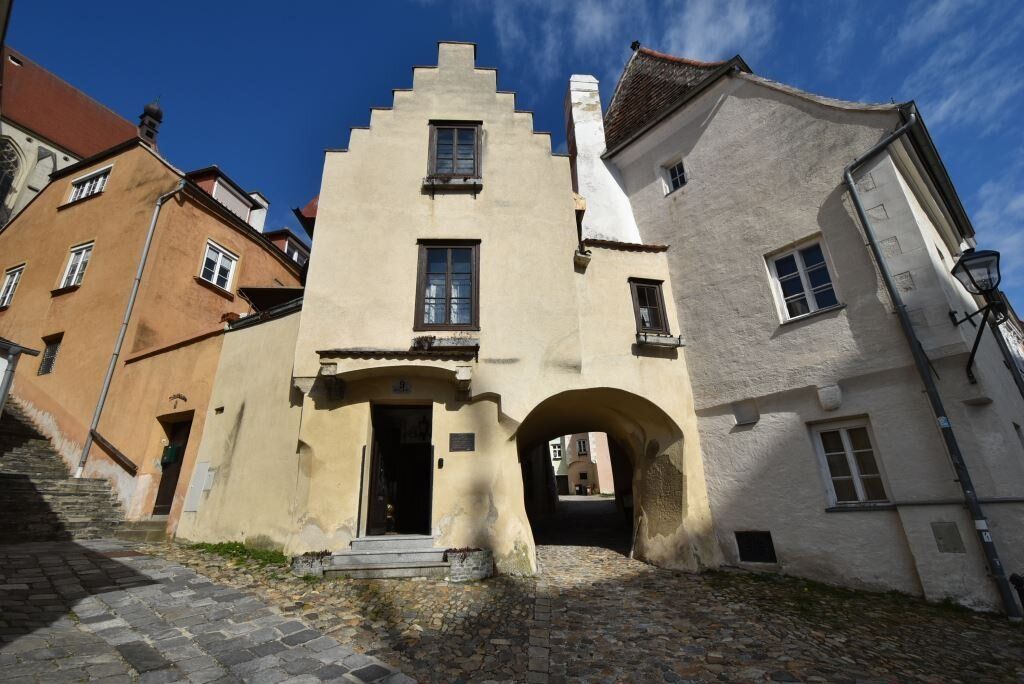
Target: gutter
[(922, 363), (124, 326)]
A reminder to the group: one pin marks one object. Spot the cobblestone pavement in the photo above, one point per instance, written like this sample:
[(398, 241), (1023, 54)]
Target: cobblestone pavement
[(595, 615), (96, 611)]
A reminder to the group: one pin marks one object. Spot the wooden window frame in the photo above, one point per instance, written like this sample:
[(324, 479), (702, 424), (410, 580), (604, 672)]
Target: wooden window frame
[(75, 279), (802, 270), (9, 286), (421, 281), (667, 170), (634, 284), (432, 155), (843, 428)]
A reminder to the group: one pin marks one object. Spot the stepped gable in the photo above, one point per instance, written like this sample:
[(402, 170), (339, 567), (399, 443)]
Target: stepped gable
[(39, 500), (652, 85)]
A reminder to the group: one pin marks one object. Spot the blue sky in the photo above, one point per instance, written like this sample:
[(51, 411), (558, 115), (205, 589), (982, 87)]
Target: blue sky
[(261, 88)]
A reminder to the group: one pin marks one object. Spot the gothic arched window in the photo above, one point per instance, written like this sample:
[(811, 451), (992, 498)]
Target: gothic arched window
[(9, 164)]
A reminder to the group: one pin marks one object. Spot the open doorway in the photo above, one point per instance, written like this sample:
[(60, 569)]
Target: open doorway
[(177, 429), (401, 471)]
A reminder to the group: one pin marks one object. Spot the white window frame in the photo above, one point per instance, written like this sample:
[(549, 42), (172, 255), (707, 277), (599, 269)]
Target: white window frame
[(74, 272), (843, 427), (86, 182), (666, 175), (223, 252), (808, 291), (556, 451), (12, 277), (583, 447)]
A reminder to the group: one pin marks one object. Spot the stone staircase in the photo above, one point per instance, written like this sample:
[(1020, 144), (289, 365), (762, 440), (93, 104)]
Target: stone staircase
[(39, 500), (389, 556)]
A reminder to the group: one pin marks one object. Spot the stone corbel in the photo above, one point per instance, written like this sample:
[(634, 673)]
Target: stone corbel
[(304, 385), (463, 378), (329, 368)]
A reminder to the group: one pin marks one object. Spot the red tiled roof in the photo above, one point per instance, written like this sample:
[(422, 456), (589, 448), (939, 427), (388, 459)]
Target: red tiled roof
[(55, 110), (309, 211), (651, 85)]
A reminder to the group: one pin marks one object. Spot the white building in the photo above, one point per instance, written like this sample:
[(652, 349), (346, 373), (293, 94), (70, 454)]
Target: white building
[(822, 453)]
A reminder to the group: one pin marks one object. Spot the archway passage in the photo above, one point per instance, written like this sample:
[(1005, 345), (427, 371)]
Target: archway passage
[(566, 476)]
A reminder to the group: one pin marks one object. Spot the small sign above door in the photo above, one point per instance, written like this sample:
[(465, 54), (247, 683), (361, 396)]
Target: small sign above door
[(401, 387), (461, 441)]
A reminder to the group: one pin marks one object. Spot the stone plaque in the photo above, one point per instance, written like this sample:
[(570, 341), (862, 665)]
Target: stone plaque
[(401, 387), (947, 537), (462, 441)]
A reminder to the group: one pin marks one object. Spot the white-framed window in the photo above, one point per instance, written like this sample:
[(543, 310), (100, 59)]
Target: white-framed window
[(849, 463), (556, 452), (802, 281), (12, 277), (674, 176), (218, 265), (89, 185), (582, 447), (77, 263)]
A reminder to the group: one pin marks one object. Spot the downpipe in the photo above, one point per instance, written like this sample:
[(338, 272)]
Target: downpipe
[(995, 566), (124, 326)]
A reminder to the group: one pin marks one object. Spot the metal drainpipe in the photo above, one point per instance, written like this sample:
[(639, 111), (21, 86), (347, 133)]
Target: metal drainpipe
[(124, 326), (924, 370)]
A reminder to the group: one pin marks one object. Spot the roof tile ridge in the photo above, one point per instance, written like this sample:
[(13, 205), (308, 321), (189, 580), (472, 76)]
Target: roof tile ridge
[(683, 60)]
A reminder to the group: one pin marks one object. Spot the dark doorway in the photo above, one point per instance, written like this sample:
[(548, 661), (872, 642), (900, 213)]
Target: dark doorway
[(562, 482), (170, 461), (401, 471)]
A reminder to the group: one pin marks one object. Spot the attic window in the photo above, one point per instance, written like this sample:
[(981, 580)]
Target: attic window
[(14, 60), (455, 149)]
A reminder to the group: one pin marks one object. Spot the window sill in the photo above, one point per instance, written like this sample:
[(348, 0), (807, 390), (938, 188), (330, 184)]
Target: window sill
[(804, 317), (860, 507), (445, 328), (217, 289), (453, 183), (64, 290), (648, 339), (673, 192), (71, 203)]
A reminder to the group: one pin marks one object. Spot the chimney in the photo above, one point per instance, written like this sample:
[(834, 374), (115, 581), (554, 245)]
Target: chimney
[(149, 123), (609, 215)]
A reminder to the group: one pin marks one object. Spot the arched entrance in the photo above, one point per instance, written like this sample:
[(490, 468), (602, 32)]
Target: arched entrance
[(646, 516)]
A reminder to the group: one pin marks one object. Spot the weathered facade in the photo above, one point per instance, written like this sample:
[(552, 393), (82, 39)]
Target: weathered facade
[(421, 410), (75, 251), (743, 177)]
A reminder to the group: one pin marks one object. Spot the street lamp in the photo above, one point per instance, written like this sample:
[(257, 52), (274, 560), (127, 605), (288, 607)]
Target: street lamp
[(978, 272)]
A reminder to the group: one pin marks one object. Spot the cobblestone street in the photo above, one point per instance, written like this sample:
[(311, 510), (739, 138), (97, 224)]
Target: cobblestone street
[(94, 611)]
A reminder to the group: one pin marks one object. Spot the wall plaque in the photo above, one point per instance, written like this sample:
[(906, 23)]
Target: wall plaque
[(462, 441), (401, 387)]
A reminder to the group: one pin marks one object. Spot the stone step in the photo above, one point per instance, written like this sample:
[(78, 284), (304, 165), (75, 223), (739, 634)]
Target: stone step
[(365, 558), (393, 543), (142, 530), (389, 570)]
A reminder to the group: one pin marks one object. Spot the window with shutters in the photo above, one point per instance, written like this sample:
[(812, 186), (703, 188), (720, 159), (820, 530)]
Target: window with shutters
[(447, 296), (77, 263), (455, 149), (802, 281), (849, 461), (648, 306)]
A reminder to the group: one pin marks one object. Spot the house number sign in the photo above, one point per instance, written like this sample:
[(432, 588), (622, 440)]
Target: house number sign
[(401, 387), (462, 441)]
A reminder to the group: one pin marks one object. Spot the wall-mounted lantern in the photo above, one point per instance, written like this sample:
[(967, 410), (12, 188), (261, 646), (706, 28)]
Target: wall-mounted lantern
[(978, 272)]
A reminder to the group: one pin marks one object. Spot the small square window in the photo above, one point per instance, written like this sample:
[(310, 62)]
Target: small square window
[(218, 266), (648, 306), (455, 150), (90, 185), (583, 476), (756, 547), (802, 281), (675, 176), (49, 357), (77, 263), (11, 279), (848, 457)]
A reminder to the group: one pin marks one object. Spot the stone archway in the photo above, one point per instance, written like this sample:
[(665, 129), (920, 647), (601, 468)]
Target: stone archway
[(651, 472)]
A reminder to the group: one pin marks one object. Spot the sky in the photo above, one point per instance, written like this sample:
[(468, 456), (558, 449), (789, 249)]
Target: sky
[(262, 87)]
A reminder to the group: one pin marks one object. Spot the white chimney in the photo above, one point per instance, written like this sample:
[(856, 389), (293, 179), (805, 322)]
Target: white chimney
[(609, 215), (258, 214)]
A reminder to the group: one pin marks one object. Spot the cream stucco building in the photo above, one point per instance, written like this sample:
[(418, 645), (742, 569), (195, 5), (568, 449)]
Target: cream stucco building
[(704, 297)]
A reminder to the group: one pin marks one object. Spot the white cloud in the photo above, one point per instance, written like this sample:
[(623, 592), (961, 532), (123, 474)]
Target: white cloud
[(927, 19), (712, 29), (999, 221)]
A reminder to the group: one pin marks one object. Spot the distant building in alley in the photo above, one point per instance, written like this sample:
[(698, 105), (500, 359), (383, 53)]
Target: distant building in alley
[(581, 464)]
